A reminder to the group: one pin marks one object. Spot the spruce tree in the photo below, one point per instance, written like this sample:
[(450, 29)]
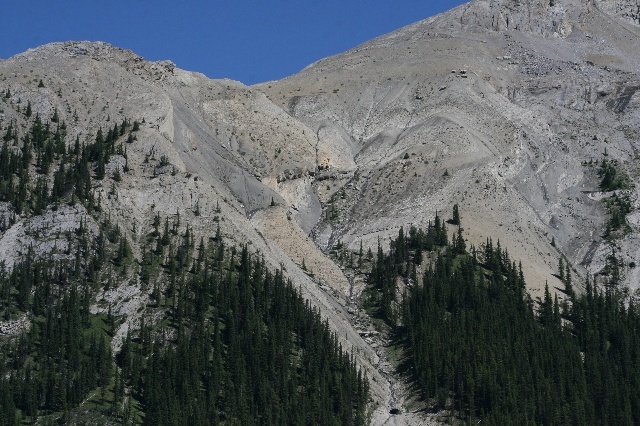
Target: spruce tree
[(455, 220)]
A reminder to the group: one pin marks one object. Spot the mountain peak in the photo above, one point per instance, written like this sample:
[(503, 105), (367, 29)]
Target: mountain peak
[(94, 49), (545, 17), (98, 51), (555, 18)]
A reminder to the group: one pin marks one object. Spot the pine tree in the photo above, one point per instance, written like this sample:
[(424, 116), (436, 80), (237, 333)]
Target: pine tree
[(455, 220), (461, 246), (567, 281)]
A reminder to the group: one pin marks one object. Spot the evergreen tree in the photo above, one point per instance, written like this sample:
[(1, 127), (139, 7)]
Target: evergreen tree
[(455, 220)]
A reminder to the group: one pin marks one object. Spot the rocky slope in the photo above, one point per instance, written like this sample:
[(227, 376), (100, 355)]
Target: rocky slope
[(498, 106), (493, 105), (215, 155)]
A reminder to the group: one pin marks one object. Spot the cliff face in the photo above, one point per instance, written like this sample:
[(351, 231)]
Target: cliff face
[(545, 18)]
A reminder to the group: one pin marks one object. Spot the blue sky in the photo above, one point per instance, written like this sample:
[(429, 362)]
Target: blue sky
[(251, 41)]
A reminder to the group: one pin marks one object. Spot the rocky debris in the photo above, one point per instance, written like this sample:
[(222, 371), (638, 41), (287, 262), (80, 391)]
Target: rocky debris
[(538, 66), (626, 9), (46, 233), (291, 174), (14, 327)]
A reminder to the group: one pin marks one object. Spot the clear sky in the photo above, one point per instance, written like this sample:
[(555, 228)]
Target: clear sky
[(251, 41)]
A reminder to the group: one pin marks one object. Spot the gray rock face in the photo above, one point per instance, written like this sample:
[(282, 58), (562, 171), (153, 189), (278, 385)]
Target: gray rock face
[(626, 9), (495, 105), (499, 106)]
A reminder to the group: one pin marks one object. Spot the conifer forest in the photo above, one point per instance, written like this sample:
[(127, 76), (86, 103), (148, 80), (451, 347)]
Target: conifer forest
[(227, 341), (479, 346)]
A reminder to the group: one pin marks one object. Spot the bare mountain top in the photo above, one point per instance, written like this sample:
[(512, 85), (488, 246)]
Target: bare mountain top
[(493, 105), (546, 18)]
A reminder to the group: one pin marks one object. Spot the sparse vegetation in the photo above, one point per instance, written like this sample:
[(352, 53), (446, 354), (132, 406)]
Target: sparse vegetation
[(618, 206), (612, 177)]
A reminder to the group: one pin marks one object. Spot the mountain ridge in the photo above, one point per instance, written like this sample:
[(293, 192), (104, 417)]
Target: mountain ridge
[(495, 67)]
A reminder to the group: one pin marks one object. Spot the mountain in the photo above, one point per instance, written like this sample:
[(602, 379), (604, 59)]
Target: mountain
[(202, 155), (509, 98), (515, 111)]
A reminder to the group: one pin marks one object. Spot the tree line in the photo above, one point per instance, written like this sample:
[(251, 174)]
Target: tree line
[(224, 339), (480, 347)]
